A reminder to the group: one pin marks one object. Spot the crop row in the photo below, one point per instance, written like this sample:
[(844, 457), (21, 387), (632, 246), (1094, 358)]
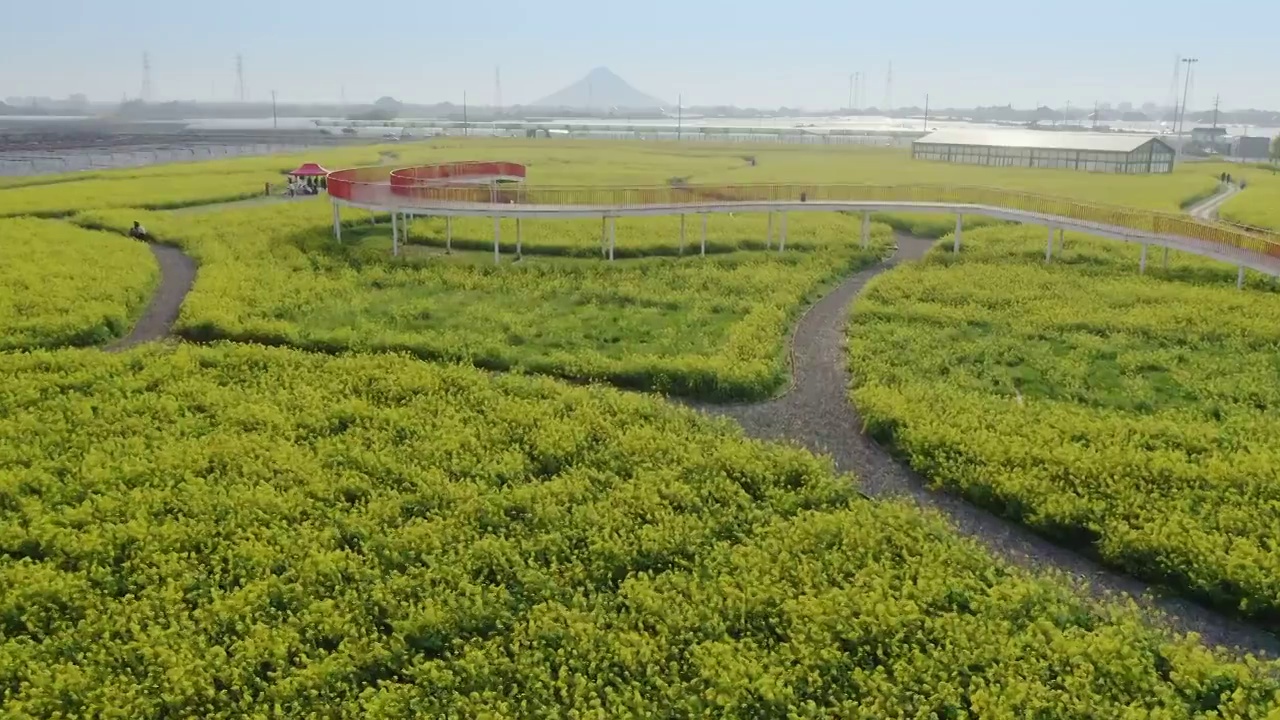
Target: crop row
[(238, 532), (63, 285), (1135, 415), (712, 327)]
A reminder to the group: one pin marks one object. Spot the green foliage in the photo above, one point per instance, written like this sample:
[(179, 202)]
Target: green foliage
[(249, 532), (63, 285), (711, 327), (1138, 415)]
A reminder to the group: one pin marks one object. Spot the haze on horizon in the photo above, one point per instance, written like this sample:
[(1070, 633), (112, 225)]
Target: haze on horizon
[(757, 54)]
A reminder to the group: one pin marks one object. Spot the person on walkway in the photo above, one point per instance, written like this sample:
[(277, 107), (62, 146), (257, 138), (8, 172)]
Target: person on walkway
[(138, 232)]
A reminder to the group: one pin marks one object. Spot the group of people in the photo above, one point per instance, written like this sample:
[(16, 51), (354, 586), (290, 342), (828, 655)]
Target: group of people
[(307, 186), (1226, 178)]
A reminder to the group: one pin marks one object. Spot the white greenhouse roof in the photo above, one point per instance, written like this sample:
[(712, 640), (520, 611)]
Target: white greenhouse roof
[(1040, 139)]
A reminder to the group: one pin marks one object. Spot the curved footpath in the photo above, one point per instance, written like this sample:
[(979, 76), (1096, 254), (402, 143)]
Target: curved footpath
[(177, 275), (1207, 209), (817, 414)]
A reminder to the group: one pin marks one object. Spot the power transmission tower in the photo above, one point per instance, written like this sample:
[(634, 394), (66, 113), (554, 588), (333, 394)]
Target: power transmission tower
[(1217, 100), (497, 90), (146, 77), (888, 89), (241, 94)]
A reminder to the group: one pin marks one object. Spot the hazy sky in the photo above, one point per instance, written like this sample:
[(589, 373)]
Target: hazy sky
[(744, 52)]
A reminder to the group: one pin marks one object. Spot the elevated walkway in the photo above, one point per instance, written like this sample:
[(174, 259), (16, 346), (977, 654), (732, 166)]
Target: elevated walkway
[(497, 190)]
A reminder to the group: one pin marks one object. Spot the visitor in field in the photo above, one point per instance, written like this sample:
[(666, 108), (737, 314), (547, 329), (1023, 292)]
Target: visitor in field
[(137, 231)]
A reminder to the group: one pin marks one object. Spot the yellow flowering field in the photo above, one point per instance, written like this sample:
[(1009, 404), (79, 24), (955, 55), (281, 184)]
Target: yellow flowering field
[(712, 327), (1138, 416), (64, 285), (238, 531)]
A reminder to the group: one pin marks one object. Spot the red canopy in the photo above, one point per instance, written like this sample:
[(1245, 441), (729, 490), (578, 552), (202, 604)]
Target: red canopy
[(309, 170)]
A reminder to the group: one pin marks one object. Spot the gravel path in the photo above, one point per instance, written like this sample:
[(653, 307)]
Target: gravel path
[(177, 274), (817, 414)]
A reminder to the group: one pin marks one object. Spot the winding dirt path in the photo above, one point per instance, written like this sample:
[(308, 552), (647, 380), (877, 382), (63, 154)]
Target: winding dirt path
[(177, 275), (817, 414)]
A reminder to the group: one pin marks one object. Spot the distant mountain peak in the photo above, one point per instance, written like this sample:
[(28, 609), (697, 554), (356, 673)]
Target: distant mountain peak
[(600, 88)]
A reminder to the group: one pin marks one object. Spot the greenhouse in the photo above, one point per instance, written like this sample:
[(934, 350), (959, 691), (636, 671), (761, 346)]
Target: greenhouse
[(1091, 152)]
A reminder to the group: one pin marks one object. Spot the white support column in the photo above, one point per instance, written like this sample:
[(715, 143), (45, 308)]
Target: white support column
[(682, 216), (1142, 262), (1048, 248), (497, 237), (519, 240), (955, 246), (866, 230), (1165, 263), (448, 233), (782, 236), (1240, 278), (395, 233), (768, 233), (337, 222), (613, 236), (704, 234), (604, 235)]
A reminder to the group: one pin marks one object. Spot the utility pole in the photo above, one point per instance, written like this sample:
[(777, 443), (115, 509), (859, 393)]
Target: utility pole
[(466, 129), (850, 105), (1186, 88), (926, 112), (679, 116), (1217, 100), (240, 91), (275, 122), (1095, 114), (1066, 114)]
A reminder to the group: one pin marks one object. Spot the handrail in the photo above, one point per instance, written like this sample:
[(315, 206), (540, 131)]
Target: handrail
[(430, 186)]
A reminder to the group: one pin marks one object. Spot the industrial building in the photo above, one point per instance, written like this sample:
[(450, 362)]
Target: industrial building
[(1251, 148), (1091, 152)]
